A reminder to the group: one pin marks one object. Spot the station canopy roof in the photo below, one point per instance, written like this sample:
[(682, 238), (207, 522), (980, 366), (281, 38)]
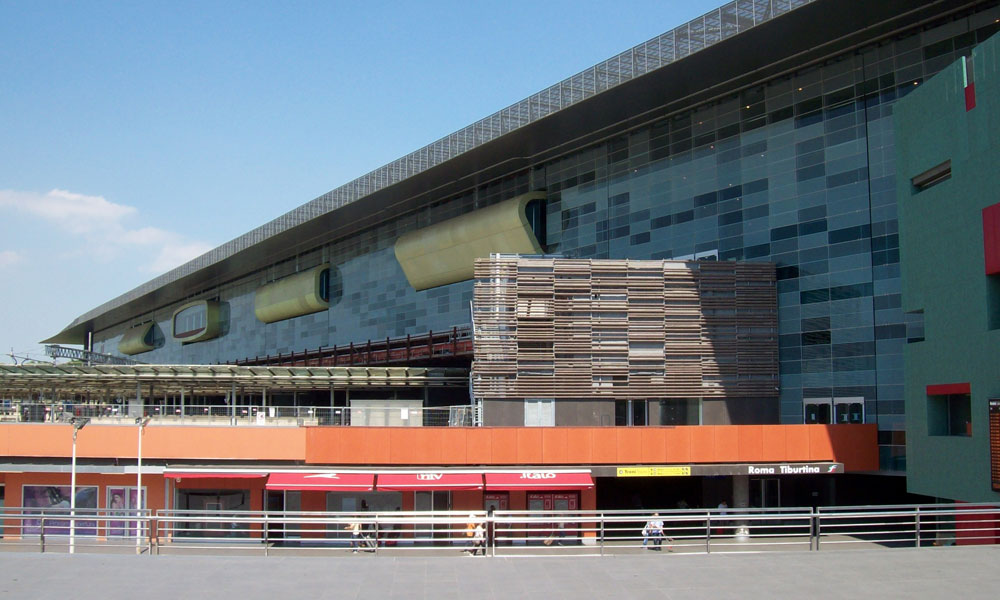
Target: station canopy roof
[(208, 379)]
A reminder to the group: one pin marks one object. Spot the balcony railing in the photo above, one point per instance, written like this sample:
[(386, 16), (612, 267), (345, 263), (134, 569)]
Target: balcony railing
[(408, 350), (221, 414)]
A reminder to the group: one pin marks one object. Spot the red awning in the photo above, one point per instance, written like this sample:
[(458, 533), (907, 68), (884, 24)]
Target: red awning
[(329, 482), (429, 480), (212, 475), (947, 389), (539, 480)]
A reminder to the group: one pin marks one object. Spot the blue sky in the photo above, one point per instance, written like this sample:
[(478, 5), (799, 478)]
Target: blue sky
[(135, 136)]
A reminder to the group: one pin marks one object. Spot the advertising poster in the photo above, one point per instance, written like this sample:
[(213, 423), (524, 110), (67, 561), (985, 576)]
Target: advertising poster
[(53, 501), (122, 503)]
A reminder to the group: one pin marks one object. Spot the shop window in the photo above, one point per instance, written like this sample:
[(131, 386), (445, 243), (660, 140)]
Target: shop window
[(949, 414), (222, 503), (496, 501), (539, 412), (554, 504)]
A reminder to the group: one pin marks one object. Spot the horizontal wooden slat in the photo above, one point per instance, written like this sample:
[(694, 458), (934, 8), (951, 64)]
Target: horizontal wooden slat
[(573, 328)]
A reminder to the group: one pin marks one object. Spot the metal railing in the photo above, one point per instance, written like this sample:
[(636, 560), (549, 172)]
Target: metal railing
[(88, 356), (60, 529), (215, 414), (507, 533), (399, 350)]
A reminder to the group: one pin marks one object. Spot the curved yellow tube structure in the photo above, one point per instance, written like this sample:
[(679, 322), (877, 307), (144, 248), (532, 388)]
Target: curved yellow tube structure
[(292, 296), (446, 252), (137, 340)]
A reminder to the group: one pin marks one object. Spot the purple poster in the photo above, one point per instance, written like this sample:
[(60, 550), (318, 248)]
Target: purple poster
[(121, 504), (53, 501)]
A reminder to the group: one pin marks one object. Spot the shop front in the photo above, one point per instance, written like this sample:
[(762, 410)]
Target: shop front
[(550, 492), (103, 501), (213, 496)]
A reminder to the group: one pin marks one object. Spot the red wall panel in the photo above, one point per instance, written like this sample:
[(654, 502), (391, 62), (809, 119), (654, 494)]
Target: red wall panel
[(991, 238)]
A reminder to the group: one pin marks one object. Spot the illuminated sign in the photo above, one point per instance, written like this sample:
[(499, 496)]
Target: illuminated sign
[(795, 469), (673, 471), (715, 470), (537, 475)]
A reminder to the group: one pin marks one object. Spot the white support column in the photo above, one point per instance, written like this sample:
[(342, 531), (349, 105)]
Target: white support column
[(139, 496), (741, 499), (741, 491), (72, 498)]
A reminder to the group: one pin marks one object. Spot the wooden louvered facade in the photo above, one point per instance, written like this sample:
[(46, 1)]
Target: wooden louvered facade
[(624, 329)]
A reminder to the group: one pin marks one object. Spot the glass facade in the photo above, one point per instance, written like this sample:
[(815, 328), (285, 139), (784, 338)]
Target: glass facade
[(797, 170)]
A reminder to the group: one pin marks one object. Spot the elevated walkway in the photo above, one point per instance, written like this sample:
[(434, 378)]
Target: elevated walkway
[(432, 347)]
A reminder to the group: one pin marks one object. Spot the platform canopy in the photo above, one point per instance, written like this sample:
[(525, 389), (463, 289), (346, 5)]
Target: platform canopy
[(209, 379)]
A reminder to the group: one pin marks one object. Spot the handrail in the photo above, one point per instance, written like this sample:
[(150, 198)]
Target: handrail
[(405, 349), (510, 532), (389, 415)]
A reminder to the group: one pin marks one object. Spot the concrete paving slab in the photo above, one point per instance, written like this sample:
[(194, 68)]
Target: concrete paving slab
[(967, 572)]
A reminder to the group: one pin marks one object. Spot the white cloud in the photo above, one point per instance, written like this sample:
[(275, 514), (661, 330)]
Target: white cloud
[(105, 228), (76, 213), (9, 258)]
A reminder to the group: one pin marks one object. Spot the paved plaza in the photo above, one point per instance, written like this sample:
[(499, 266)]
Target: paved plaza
[(956, 572)]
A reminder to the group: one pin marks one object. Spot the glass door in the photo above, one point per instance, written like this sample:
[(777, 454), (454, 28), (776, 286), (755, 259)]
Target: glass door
[(274, 502), (765, 492), (562, 503), (539, 531), (492, 502), (552, 504), (292, 502), (435, 501)]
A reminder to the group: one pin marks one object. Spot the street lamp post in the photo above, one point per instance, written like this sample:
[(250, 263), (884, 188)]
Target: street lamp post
[(141, 422), (77, 424)]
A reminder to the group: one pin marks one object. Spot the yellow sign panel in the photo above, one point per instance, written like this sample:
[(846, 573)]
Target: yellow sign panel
[(654, 471)]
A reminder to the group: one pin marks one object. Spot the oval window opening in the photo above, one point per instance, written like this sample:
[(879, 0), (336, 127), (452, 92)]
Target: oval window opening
[(324, 285), (535, 213), (190, 322)]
